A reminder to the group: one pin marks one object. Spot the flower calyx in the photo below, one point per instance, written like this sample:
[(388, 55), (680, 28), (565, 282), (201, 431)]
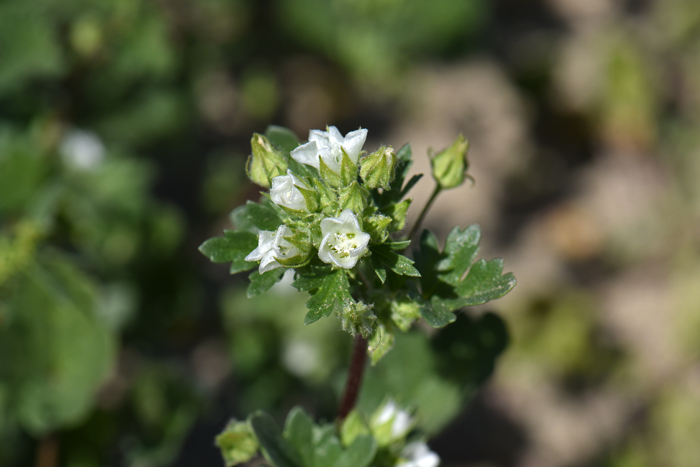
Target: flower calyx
[(265, 163)]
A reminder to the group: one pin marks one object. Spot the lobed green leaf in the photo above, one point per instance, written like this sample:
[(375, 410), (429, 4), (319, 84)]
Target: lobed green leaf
[(232, 248)]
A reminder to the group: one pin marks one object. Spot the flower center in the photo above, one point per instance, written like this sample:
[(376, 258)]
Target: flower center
[(344, 243)]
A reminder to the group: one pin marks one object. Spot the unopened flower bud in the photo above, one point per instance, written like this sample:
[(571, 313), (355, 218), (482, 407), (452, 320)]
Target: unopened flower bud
[(377, 169), (265, 163), (450, 164)]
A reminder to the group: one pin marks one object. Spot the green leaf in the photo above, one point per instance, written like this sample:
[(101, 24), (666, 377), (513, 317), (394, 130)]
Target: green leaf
[(394, 261), (328, 450), (277, 449), (352, 427), (240, 219), (411, 183), (359, 454), (461, 248), (398, 214), (378, 267), (484, 282), (237, 443), (261, 283), (263, 216), (232, 248), (436, 312), (282, 137), (328, 293), (298, 430)]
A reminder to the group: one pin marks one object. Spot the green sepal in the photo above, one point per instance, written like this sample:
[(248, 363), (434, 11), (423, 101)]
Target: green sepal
[(277, 450), (377, 226), (357, 318), (237, 443), (302, 240), (377, 169), (311, 197), (233, 247), (397, 212), (404, 311), (348, 169), (261, 283), (353, 197), (394, 261), (450, 164), (327, 197), (265, 163), (330, 177), (380, 342)]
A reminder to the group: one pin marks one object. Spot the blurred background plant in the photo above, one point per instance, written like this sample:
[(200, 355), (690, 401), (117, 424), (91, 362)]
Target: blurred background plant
[(124, 127)]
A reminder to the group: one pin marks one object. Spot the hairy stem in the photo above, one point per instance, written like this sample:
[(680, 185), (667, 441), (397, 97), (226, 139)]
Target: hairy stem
[(424, 212), (47, 452), (357, 369)]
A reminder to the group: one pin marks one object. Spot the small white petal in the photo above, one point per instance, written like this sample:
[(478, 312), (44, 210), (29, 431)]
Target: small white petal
[(335, 137), (307, 154), (353, 143), (343, 242), (284, 192), (266, 242), (320, 137)]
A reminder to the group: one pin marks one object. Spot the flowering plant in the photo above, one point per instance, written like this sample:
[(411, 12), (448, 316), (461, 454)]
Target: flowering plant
[(334, 217)]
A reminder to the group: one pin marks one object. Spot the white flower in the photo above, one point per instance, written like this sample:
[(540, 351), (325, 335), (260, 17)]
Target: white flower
[(329, 145), (343, 242), (285, 191), (400, 420), (82, 149), (418, 454), (271, 247)]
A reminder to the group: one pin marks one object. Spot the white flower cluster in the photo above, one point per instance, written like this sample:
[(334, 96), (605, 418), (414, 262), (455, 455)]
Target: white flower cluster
[(418, 454), (343, 241)]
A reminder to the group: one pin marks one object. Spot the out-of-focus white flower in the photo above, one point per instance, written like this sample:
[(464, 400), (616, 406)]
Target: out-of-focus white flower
[(329, 145), (271, 247), (285, 191), (401, 421), (301, 358), (418, 454), (343, 243), (82, 149)]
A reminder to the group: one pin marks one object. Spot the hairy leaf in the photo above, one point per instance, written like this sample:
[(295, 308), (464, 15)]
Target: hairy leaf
[(232, 248)]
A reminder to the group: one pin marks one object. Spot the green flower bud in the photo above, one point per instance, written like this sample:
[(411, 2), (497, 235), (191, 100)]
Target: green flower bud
[(450, 164), (265, 163), (357, 318), (237, 443), (377, 169)]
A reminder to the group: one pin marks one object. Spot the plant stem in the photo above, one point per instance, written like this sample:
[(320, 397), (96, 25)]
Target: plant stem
[(357, 369), (424, 212), (47, 452)]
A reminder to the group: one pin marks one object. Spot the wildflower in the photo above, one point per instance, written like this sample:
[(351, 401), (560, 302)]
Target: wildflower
[(450, 164), (285, 191), (273, 246), (391, 423), (329, 146), (418, 454), (343, 241)]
